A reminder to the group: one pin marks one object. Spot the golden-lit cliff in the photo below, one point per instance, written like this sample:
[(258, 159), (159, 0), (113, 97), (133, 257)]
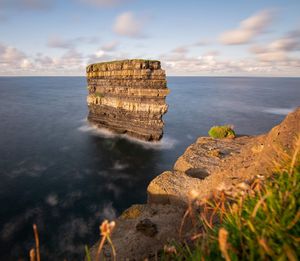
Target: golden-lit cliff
[(128, 97)]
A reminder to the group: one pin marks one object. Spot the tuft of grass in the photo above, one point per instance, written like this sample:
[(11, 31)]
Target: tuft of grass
[(261, 225), (221, 132)]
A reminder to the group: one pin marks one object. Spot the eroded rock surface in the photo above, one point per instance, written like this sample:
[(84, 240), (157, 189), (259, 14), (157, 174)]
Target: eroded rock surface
[(211, 164), (142, 230), (207, 165), (128, 97)]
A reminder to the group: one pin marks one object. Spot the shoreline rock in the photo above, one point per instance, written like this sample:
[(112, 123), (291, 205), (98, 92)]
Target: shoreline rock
[(207, 166), (128, 97)]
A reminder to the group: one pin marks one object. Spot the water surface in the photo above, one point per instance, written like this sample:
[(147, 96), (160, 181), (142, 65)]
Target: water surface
[(65, 176)]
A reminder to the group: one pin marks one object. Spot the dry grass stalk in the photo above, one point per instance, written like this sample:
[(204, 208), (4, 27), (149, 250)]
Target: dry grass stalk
[(223, 235), (37, 242), (106, 229), (193, 195), (295, 155), (265, 246), (258, 204), (32, 254)]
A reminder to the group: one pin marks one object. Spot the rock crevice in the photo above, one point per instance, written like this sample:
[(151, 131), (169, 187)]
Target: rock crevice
[(128, 97)]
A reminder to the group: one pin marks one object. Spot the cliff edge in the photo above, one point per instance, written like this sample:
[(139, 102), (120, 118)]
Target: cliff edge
[(208, 165)]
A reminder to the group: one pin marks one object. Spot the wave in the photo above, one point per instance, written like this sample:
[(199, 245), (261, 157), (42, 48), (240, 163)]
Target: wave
[(279, 111), (166, 143)]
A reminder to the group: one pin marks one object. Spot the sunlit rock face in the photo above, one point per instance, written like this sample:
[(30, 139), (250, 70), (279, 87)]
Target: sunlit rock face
[(128, 97)]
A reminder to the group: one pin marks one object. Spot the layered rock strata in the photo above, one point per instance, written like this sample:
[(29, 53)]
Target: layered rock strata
[(128, 97)]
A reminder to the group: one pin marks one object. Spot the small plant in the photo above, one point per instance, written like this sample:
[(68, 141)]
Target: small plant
[(221, 132)]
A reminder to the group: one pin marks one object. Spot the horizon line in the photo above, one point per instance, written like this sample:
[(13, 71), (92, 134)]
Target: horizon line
[(228, 76)]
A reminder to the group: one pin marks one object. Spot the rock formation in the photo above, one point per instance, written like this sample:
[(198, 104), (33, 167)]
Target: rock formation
[(128, 97), (207, 166)]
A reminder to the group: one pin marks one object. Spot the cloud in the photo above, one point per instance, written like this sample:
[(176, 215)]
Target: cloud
[(16, 62), (279, 50), (112, 46), (248, 29), (211, 63), (180, 49), (22, 5), (212, 53), (105, 3), (10, 55), (127, 24), (12, 59), (201, 43), (59, 42), (290, 42)]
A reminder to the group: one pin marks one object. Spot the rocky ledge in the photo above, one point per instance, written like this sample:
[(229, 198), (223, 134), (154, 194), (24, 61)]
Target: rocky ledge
[(128, 97), (207, 166), (211, 164)]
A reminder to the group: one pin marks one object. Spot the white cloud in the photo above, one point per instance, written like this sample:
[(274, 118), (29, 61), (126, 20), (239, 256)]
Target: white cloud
[(10, 55), (180, 49), (127, 24), (279, 50), (105, 3), (99, 53), (16, 62), (249, 28), (201, 43), (111, 46), (210, 63), (12, 59), (58, 42)]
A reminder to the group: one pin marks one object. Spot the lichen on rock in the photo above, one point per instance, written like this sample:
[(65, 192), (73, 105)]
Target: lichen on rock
[(128, 97)]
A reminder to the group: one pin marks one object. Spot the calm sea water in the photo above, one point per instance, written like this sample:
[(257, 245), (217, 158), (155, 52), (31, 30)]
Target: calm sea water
[(66, 176)]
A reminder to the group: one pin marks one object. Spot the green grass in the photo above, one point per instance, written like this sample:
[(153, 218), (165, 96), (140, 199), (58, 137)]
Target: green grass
[(263, 225), (221, 132)]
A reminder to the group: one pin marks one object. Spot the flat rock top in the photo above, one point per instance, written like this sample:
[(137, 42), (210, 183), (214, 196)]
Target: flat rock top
[(136, 64)]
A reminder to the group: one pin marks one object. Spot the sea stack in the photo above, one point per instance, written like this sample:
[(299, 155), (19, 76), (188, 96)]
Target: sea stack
[(128, 96)]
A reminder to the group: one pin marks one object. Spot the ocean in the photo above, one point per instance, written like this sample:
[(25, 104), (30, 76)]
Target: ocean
[(66, 176)]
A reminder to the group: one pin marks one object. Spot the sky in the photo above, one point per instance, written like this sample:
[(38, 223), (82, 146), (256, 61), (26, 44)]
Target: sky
[(190, 38)]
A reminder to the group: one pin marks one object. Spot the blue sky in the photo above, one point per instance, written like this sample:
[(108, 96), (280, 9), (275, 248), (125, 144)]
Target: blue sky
[(214, 38)]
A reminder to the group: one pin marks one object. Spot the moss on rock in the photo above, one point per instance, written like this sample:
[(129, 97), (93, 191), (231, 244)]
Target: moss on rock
[(221, 132)]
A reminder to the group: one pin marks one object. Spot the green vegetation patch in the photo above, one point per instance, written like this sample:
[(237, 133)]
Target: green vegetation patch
[(263, 225), (221, 132)]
